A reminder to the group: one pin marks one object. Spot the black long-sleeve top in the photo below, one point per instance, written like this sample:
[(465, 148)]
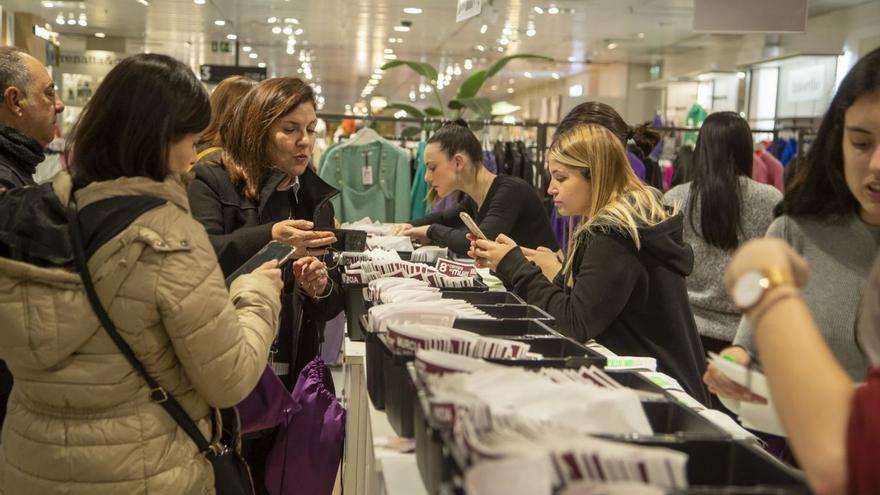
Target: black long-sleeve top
[(634, 302), (512, 207)]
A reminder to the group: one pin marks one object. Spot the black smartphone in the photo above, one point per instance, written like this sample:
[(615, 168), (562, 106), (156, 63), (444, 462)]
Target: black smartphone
[(275, 250), (348, 239)]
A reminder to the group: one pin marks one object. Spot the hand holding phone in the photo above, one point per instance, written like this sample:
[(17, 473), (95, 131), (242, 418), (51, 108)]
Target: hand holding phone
[(472, 226)]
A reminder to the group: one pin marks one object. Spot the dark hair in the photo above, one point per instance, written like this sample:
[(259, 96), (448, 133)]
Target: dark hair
[(13, 71), (819, 185), (597, 113), (723, 155), (146, 103), (682, 165), (455, 136), (229, 92), (246, 134)]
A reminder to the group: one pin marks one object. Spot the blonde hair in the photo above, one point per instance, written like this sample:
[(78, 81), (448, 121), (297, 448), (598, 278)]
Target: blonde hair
[(620, 202)]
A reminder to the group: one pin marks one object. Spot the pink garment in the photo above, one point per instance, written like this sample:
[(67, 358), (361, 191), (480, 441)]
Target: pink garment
[(759, 170), (775, 172)]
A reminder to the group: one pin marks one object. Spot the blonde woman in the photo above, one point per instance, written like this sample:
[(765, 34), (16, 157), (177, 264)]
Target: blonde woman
[(623, 282)]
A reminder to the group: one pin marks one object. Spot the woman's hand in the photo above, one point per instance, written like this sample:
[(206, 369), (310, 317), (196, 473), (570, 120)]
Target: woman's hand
[(488, 254), (419, 234), (399, 229), (299, 234), (271, 271), (312, 275), (547, 261), (722, 386)]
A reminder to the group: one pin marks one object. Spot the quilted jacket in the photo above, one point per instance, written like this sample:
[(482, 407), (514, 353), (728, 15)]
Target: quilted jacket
[(80, 420)]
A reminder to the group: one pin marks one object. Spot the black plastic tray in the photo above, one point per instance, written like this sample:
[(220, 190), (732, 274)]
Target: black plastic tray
[(504, 328), (487, 297), (516, 312)]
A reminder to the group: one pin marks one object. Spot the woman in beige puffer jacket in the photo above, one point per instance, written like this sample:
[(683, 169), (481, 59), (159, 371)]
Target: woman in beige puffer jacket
[(80, 420)]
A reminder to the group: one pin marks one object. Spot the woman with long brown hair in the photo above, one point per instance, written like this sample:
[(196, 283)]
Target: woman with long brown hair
[(223, 100)]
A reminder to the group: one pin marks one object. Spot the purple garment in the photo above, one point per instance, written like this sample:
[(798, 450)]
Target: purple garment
[(637, 165), (448, 202), (308, 448), (334, 331), (489, 161), (268, 405)]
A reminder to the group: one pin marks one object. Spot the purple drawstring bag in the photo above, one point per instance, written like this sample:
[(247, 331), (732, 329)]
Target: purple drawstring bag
[(268, 405), (308, 448)]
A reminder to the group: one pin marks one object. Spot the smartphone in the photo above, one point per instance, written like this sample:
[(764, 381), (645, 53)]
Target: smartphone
[(348, 240), (282, 253), (472, 226)]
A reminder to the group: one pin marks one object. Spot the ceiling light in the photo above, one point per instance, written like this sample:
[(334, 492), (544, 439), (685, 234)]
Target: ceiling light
[(741, 75), (232, 37), (299, 32), (531, 32), (219, 22), (504, 41), (572, 59), (555, 75), (468, 64), (494, 87), (480, 48), (100, 35), (48, 5), (400, 114), (553, 10), (390, 56), (612, 46), (199, 2), (291, 20), (538, 10), (83, 23), (641, 36), (290, 50), (507, 31), (261, 65), (272, 20), (500, 49), (389, 50), (412, 10), (392, 40), (59, 19), (576, 90), (246, 48), (400, 40), (511, 81), (288, 30), (510, 90), (253, 55), (483, 29), (528, 75), (71, 22), (401, 29), (276, 30), (145, 3)]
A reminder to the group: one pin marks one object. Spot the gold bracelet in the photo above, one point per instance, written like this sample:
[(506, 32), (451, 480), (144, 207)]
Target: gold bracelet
[(774, 298)]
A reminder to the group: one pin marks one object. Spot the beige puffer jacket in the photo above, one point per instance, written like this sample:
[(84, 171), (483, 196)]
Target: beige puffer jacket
[(80, 420)]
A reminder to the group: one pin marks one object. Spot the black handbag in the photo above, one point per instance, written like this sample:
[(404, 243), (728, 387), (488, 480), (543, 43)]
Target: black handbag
[(231, 473)]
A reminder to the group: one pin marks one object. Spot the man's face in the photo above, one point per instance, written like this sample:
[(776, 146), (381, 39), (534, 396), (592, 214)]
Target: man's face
[(40, 104)]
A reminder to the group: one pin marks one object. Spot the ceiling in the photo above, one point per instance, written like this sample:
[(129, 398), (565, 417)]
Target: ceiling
[(347, 40)]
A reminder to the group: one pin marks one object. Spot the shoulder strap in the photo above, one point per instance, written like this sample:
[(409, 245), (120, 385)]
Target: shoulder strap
[(207, 151), (103, 220), (157, 394)]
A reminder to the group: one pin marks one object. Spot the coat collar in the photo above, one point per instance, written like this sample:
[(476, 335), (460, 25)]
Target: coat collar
[(312, 191), (171, 190)]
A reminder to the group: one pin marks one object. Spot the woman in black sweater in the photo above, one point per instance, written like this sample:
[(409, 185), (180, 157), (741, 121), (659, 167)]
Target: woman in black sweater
[(498, 203), (623, 283)]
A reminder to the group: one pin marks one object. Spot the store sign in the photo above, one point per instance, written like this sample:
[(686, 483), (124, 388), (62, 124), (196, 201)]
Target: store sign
[(92, 57), (467, 9), (806, 84), (455, 269), (217, 73)]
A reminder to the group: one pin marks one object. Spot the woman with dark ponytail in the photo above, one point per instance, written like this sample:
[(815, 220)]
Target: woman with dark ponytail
[(723, 208), (499, 204)]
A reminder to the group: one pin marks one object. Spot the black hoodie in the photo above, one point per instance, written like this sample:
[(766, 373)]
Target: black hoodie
[(634, 302)]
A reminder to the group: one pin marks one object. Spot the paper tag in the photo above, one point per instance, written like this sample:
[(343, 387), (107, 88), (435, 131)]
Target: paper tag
[(455, 269), (367, 175)]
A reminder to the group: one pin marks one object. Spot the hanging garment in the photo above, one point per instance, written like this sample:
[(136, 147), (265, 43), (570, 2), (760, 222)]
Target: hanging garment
[(514, 159), (374, 180), (528, 165), (489, 162), (637, 164), (695, 117), (769, 170), (419, 190), (789, 152), (501, 158)]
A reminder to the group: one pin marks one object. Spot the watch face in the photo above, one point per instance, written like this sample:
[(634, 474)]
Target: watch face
[(748, 290)]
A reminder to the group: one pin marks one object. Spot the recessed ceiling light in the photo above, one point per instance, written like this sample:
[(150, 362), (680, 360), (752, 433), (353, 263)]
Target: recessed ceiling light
[(291, 20), (390, 56), (528, 75), (246, 48), (59, 19), (412, 10), (612, 46), (272, 20), (71, 22), (531, 32), (253, 55), (494, 87), (232, 36), (553, 10), (641, 36), (401, 29), (299, 32), (507, 31), (400, 40), (572, 59), (511, 81), (83, 23), (261, 65), (389, 50), (500, 49), (288, 30), (392, 40), (100, 35), (199, 2), (504, 40), (480, 48), (510, 90), (538, 10), (145, 3), (484, 28), (276, 29), (48, 5), (555, 75), (219, 22)]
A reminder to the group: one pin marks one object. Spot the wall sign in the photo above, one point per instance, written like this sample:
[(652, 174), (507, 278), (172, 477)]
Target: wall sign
[(217, 73), (806, 84), (42, 33), (467, 9)]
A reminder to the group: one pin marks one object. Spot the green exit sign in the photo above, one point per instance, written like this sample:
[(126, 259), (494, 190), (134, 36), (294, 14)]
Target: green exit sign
[(220, 47)]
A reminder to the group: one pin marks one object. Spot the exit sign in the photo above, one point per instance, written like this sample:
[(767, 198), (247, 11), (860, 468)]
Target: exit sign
[(220, 47)]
